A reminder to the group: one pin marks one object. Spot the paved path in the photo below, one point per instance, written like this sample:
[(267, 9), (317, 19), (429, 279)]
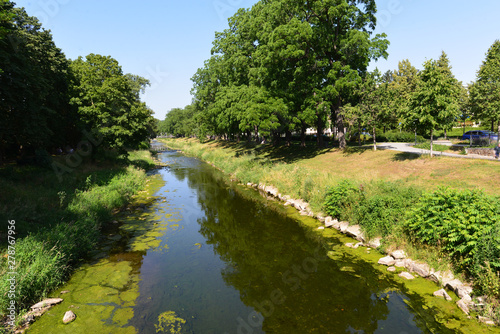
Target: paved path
[(405, 147)]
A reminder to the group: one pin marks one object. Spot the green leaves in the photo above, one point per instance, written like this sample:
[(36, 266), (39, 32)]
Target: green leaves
[(109, 102), (485, 92), (456, 221)]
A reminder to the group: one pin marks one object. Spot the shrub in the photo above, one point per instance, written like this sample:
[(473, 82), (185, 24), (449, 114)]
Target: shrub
[(458, 222), (394, 136), (377, 206), (339, 198)]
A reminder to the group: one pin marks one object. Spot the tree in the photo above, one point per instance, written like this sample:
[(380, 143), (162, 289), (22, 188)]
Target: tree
[(109, 102), (402, 86), (34, 99), (435, 103), (374, 101), (485, 92)]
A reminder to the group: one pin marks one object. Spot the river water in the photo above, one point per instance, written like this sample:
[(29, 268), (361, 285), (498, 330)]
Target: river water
[(208, 256)]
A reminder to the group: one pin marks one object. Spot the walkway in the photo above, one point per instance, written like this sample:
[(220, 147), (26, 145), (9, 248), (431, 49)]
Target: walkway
[(406, 147)]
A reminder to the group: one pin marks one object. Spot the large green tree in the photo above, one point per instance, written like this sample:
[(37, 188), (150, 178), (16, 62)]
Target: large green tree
[(109, 103), (485, 92), (435, 103), (34, 104)]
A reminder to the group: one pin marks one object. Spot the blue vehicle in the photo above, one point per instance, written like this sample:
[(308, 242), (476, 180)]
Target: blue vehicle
[(480, 134)]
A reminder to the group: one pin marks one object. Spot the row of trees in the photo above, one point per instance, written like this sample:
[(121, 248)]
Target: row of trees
[(284, 66), (49, 102)]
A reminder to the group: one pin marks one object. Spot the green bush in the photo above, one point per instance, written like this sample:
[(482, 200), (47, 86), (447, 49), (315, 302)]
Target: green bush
[(377, 206), (460, 223), (394, 136), (339, 198)]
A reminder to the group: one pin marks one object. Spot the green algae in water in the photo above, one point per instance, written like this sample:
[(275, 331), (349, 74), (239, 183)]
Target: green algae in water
[(169, 322)]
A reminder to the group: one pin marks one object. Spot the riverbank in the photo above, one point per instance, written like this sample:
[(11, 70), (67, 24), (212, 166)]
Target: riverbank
[(54, 224), (379, 201)]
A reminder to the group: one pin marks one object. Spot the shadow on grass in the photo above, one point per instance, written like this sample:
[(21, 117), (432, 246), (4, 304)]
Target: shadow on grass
[(351, 150), (403, 156)]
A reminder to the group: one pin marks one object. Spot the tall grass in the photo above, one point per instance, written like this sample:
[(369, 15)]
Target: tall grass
[(52, 241)]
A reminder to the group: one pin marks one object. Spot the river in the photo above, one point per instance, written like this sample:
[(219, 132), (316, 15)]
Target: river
[(204, 255)]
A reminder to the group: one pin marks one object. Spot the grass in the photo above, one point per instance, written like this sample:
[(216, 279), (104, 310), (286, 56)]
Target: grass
[(58, 223)]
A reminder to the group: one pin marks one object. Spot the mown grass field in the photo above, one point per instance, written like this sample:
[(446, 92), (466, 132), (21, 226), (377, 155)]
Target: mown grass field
[(359, 163)]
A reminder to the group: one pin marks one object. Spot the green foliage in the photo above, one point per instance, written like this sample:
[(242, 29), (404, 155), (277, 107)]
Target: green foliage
[(337, 198), (485, 92), (45, 257), (396, 136), (275, 69), (35, 109), (436, 101), (457, 222), (108, 102), (427, 146), (379, 207)]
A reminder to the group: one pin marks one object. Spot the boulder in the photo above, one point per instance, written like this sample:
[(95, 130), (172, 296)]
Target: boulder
[(453, 285), (463, 306), (387, 261), (321, 228), (406, 275), (349, 244), (463, 291), (69, 317), (442, 293), (398, 254), (391, 269), (343, 226), (421, 269), (400, 263), (375, 243), (46, 303), (486, 321), (355, 232)]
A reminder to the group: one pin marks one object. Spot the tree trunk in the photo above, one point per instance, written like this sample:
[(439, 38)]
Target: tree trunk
[(303, 135), (374, 140), (340, 125), (432, 139), (445, 134), (288, 138), (359, 134), (249, 136), (319, 133), (256, 128)]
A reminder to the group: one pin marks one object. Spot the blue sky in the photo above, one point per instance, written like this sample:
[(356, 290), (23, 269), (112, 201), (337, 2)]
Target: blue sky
[(166, 41)]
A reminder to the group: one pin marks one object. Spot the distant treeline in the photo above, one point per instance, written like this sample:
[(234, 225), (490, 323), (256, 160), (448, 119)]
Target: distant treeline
[(49, 103), (285, 66)]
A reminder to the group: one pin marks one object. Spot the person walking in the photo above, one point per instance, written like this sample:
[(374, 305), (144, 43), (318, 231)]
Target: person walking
[(497, 150)]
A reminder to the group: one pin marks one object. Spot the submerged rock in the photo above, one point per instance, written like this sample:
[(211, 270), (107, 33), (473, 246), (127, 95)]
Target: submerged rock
[(406, 275), (69, 317)]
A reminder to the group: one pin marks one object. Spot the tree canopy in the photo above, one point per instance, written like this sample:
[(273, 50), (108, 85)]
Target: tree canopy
[(485, 92), (48, 101), (285, 65)]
